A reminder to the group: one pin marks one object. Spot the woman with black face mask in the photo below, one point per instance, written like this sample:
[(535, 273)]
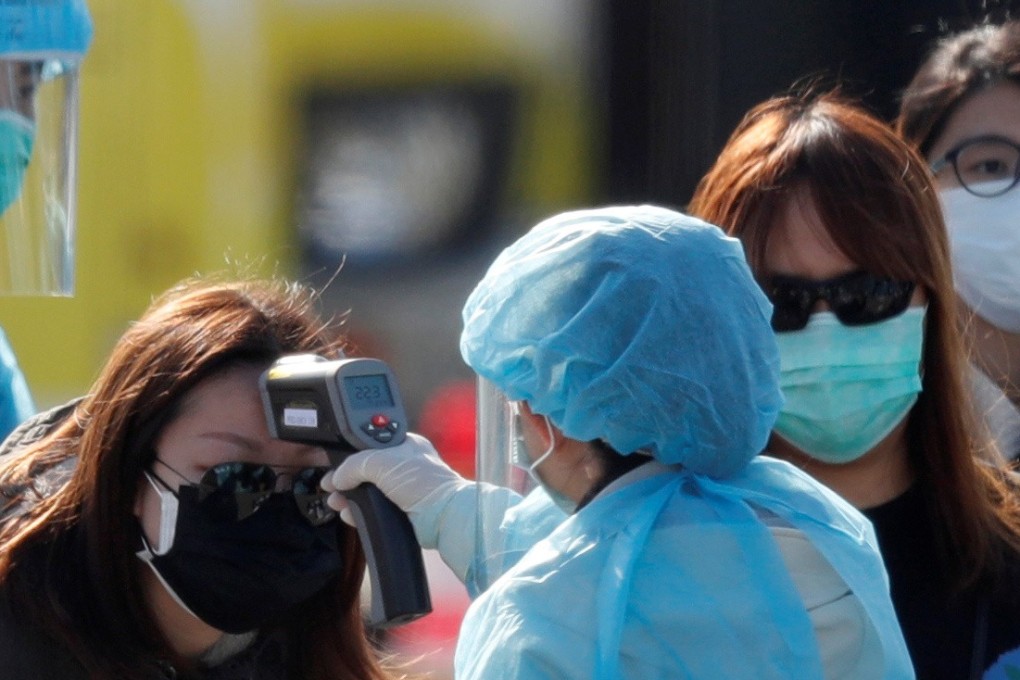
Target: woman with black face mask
[(154, 529)]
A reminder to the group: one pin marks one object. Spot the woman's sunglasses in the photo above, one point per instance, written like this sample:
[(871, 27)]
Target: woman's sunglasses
[(857, 299), (236, 490)]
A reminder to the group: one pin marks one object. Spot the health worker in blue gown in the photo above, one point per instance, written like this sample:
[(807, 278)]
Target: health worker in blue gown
[(42, 43), (629, 377)]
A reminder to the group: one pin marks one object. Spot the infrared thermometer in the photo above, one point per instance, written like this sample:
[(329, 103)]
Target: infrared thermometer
[(346, 406)]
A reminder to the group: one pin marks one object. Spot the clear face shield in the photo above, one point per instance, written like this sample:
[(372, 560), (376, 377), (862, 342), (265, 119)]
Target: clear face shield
[(41, 46), (510, 522), (500, 441), (38, 140)]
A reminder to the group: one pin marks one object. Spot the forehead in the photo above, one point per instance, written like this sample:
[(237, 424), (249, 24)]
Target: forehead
[(799, 244), (222, 419), (231, 386), (991, 111)]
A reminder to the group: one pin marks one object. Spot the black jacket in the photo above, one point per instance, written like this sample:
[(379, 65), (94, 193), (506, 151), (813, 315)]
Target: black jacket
[(28, 654)]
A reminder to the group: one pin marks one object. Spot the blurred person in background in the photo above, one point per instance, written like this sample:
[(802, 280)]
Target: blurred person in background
[(41, 45), (962, 112), (844, 232)]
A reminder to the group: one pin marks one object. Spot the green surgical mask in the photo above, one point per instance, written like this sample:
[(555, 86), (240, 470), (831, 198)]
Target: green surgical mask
[(847, 387), (17, 135)]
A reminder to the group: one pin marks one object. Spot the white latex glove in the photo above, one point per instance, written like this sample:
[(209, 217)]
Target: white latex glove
[(416, 479)]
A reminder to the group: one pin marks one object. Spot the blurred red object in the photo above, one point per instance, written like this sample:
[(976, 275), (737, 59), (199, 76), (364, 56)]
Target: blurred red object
[(448, 420)]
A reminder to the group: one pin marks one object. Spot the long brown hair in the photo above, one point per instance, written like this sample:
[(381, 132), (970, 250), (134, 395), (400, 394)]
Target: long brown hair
[(68, 562), (957, 66), (876, 198)]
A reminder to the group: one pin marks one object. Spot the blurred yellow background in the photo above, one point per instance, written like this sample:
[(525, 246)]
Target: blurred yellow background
[(192, 141)]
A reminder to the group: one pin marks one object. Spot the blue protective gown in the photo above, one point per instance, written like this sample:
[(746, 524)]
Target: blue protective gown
[(15, 399), (677, 576)]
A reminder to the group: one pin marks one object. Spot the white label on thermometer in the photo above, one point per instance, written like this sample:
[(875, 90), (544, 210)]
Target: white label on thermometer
[(300, 417)]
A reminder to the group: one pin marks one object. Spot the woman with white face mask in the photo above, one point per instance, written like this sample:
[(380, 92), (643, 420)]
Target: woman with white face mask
[(844, 232), (962, 111)]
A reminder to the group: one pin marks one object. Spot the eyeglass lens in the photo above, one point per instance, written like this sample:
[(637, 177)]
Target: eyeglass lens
[(310, 497), (236, 490), (987, 167), (857, 299)]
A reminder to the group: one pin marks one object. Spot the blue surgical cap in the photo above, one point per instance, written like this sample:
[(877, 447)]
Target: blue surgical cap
[(636, 325), (43, 29)]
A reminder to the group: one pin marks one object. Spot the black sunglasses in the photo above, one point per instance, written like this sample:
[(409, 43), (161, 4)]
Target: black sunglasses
[(857, 299), (236, 490)]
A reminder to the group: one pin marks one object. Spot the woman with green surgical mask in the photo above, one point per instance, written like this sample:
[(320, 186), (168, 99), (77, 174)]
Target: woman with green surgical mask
[(843, 230)]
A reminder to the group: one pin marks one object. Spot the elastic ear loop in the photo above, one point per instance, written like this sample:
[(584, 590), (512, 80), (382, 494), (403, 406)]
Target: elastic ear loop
[(548, 451)]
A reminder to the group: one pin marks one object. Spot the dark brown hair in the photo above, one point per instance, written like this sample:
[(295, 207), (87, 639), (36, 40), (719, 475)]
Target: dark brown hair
[(876, 198), (68, 563), (957, 66)]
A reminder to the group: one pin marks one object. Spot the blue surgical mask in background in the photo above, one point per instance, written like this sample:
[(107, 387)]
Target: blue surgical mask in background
[(17, 135), (847, 387)]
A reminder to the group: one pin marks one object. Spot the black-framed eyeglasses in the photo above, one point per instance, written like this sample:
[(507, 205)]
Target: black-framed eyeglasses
[(985, 166), (857, 299), (236, 490)]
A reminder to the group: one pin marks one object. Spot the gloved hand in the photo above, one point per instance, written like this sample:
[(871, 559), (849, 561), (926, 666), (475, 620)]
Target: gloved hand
[(441, 505), (414, 477)]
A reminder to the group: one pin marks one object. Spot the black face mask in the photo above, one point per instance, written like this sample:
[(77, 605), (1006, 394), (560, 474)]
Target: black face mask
[(238, 575)]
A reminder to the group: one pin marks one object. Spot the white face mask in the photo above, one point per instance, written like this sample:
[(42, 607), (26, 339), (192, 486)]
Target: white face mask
[(520, 458), (984, 236), (519, 455)]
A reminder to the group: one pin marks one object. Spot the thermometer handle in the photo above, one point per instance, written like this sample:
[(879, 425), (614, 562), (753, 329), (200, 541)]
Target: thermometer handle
[(400, 591)]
